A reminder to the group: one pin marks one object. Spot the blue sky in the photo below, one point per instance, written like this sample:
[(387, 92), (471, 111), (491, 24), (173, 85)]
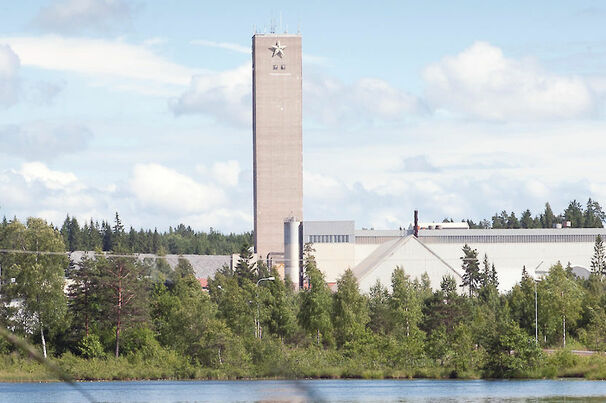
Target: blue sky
[(458, 109)]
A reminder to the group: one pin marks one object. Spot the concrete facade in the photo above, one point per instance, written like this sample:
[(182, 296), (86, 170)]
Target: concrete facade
[(374, 254), (277, 137)]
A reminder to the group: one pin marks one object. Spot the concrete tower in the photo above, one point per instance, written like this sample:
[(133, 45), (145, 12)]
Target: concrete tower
[(277, 137)]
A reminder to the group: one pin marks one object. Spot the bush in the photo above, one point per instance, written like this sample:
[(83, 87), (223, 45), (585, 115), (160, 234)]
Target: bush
[(90, 347)]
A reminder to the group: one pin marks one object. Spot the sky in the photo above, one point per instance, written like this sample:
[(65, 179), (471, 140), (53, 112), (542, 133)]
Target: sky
[(457, 109)]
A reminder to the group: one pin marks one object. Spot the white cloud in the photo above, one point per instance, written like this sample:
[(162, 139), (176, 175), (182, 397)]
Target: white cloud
[(37, 190), (43, 140), (483, 83), (98, 57), (84, 15), (234, 47), (225, 96), (221, 219), (227, 172), (246, 50), (9, 84), (155, 41), (165, 189), (418, 163), (38, 172), (332, 102)]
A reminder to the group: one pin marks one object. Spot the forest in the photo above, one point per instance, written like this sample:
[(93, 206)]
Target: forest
[(116, 317), (590, 216), (181, 239)]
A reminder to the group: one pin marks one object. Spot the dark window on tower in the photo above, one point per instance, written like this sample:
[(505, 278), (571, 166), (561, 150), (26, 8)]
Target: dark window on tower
[(283, 67), (275, 67)]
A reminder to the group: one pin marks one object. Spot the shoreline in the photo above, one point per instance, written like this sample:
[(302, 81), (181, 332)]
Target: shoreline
[(77, 381)]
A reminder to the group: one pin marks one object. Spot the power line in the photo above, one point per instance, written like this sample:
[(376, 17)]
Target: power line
[(84, 254)]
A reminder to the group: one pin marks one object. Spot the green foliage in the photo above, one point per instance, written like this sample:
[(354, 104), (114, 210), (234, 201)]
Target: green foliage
[(38, 279), (406, 305), (598, 260), (379, 310), (315, 308), (90, 346), (281, 305), (246, 268), (178, 240), (350, 310), (560, 303), (511, 352), (472, 277), (166, 326)]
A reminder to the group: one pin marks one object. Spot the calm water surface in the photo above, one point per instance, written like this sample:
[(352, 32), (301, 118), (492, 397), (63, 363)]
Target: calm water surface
[(310, 390)]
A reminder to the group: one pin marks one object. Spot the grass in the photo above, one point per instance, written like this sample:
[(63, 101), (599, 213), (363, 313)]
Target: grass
[(317, 365)]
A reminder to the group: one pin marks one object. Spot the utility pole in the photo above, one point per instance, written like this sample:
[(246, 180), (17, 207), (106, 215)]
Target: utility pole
[(536, 305), (258, 318)]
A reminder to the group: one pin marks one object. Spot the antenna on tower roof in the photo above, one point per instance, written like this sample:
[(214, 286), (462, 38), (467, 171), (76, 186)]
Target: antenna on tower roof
[(280, 21), (272, 26)]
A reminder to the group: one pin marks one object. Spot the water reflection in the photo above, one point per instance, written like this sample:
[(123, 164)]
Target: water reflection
[(313, 390)]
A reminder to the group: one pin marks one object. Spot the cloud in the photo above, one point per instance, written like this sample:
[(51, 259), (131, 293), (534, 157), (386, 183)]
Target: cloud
[(227, 172), (247, 50), (225, 96), (165, 189), (98, 57), (234, 47), (37, 190), (481, 82), (418, 163), (333, 103), (42, 140), (155, 41), (156, 196), (43, 92), (38, 172), (9, 84), (70, 16)]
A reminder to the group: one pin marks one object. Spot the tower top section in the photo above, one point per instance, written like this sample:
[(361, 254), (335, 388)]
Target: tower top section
[(276, 35)]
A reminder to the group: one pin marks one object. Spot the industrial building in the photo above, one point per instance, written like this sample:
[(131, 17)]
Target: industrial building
[(374, 254), (433, 248), (277, 138)]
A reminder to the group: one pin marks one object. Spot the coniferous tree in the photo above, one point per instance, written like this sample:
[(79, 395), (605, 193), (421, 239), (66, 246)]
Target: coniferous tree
[(574, 214), (471, 267), (85, 295), (246, 268), (594, 215), (598, 261), (547, 219), (512, 221), (526, 221)]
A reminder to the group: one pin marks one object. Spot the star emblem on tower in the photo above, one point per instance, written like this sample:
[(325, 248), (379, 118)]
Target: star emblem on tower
[(278, 49)]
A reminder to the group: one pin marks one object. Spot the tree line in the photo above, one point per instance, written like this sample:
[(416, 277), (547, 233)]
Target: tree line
[(179, 240), (590, 216), (250, 322)]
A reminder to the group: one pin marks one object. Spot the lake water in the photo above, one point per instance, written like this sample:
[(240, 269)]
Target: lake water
[(309, 390)]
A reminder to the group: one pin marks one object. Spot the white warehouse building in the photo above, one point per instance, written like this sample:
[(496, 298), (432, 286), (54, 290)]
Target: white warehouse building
[(374, 254)]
